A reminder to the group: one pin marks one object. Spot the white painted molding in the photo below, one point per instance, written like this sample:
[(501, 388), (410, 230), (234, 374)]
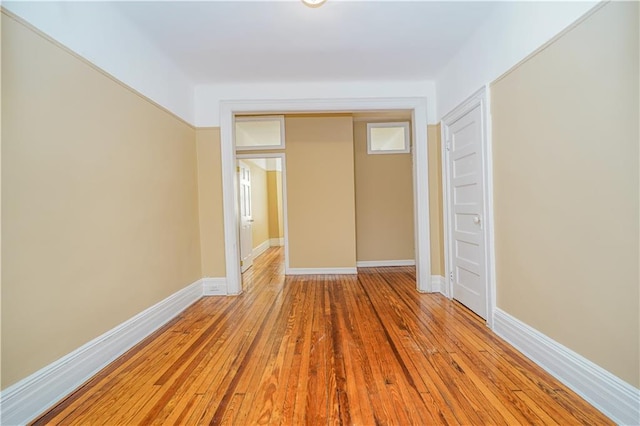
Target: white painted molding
[(420, 164), (214, 286), (32, 396), (611, 395), (381, 263), (322, 271), (479, 98), (438, 285), (490, 241), (418, 106), (444, 158), (276, 242), (261, 248), (281, 142)]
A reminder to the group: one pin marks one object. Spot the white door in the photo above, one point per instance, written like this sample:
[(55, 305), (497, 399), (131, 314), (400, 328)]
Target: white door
[(468, 277), (246, 219)]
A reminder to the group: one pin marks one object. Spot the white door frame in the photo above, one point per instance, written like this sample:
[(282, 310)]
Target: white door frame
[(241, 225), (480, 98), (281, 156), (418, 106)]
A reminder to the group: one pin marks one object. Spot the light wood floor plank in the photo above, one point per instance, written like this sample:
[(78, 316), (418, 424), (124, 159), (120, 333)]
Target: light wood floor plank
[(366, 349)]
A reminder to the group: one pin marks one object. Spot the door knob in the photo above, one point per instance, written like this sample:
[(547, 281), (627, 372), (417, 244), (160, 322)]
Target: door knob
[(476, 220)]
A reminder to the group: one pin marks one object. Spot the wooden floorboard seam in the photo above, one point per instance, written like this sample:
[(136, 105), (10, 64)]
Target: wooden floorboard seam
[(323, 349)]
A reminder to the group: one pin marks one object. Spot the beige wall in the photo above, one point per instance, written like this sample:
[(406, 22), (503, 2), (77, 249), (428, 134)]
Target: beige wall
[(210, 202), (320, 192), (274, 192), (210, 187), (436, 224), (99, 203), (384, 202), (259, 204), (565, 142)]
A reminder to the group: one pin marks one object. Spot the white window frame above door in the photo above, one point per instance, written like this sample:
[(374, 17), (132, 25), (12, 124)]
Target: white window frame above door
[(418, 106), (276, 118), (479, 98)]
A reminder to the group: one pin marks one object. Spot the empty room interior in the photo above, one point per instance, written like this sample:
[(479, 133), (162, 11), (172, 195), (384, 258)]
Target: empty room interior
[(320, 212)]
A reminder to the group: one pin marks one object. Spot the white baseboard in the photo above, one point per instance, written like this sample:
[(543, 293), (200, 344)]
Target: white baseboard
[(321, 271), (381, 263), (611, 395), (32, 396), (261, 248), (214, 286), (438, 284), (276, 242)]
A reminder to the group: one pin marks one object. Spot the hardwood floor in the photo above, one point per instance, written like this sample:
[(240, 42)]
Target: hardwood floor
[(365, 350)]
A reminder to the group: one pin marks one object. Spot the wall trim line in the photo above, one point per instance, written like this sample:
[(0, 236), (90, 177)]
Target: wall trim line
[(33, 395), (608, 393), (382, 263), (87, 62), (554, 39), (322, 271), (261, 248), (276, 242)]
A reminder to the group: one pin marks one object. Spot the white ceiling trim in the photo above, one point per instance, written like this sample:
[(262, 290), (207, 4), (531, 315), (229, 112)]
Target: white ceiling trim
[(208, 98)]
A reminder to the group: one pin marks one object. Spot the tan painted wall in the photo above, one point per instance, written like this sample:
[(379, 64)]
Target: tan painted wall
[(210, 186), (384, 202), (259, 204), (274, 192), (210, 202), (436, 224), (319, 178), (565, 142), (280, 195), (99, 203)]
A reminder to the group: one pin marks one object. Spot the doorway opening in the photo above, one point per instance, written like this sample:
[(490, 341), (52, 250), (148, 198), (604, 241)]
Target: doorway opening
[(261, 206), (418, 109)]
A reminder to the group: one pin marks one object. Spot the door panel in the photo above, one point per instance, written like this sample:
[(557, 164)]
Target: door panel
[(465, 164), (464, 144), (465, 250)]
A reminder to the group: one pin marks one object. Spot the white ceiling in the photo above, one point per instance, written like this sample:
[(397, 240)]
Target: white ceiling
[(272, 41)]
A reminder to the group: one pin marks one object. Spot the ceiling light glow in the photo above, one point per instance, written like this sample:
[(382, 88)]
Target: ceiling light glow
[(313, 3)]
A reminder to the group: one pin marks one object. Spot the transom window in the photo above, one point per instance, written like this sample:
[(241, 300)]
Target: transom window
[(388, 138), (259, 132)]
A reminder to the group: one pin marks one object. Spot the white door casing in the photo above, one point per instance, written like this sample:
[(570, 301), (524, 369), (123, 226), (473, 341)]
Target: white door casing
[(467, 195), (246, 217), (417, 105)]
